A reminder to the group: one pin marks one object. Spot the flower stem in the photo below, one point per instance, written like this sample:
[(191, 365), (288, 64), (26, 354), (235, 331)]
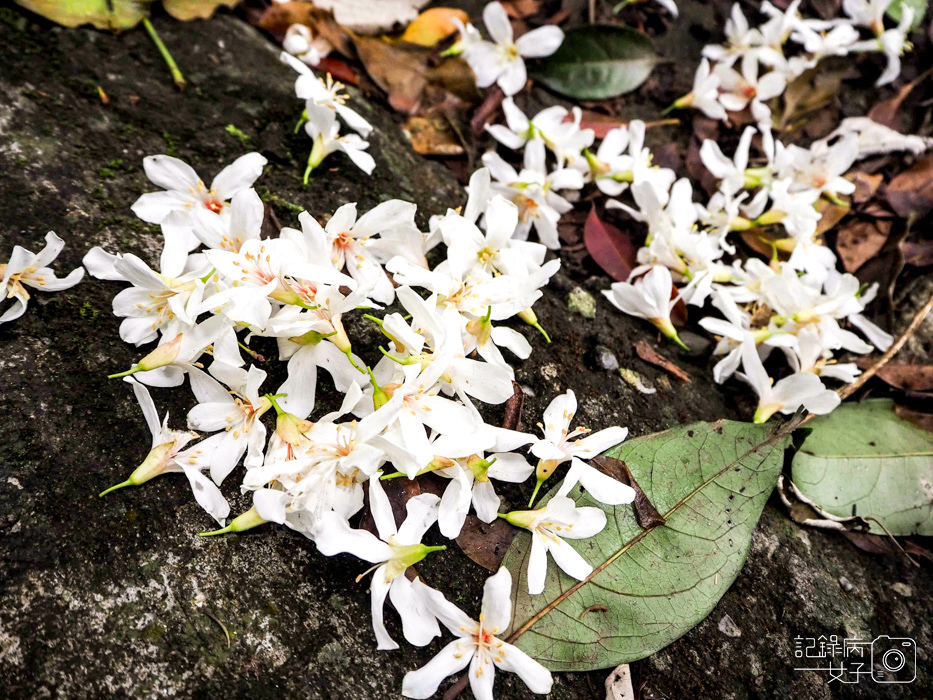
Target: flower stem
[(132, 370), (541, 331), (535, 492), (166, 56), (114, 488)]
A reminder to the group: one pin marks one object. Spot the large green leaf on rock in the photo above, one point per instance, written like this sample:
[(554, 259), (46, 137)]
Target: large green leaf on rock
[(863, 459), (103, 14), (597, 62), (648, 587), (118, 14)]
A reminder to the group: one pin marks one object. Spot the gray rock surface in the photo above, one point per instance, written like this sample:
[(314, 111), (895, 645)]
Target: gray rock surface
[(119, 597)]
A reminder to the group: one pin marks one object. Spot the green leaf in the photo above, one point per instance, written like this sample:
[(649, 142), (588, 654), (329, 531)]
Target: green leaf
[(103, 14), (597, 62), (863, 459), (920, 9), (648, 587)]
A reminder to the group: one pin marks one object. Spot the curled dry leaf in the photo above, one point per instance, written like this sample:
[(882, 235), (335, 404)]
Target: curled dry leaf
[(645, 512), (652, 356), (405, 73), (612, 250), (882, 544), (513, 409), (921, 420), (911, 192), (279, 16), (918, 253), (908, 377), (861, 240), (433, 26), (432, 136), (865, 186), (803, 511), (486, 543), (619, 684)]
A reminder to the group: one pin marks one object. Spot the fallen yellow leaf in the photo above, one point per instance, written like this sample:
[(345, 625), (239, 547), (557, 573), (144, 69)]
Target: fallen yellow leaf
[(433, 26)]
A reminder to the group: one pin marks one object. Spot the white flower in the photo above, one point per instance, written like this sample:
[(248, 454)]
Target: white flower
[(601, 487), (243, 223), (323, 128), (157, 302), (558, 519), (326, 94), (167, 455), (185, 192), (730, 172), (811, 355), (868, 13), (788, 394), (476, 644), (741, 38), (561, 444), (564, 138), (300, 42), (471, 483), (237, 412), (503, 62), (649, 298), (821, 167), (893, 43), (27, 269), (741, 89), (393, 552), (875, 138), (533, 190), (705, 93), (348, 241)]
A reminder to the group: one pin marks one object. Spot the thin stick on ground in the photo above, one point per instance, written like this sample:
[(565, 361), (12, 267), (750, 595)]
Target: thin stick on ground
[(166, 56)]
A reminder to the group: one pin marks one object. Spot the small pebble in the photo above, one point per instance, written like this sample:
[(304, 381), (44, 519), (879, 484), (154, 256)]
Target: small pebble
[(605, 359), (728, 627), (846, 584), (902, 589), (528, 391)]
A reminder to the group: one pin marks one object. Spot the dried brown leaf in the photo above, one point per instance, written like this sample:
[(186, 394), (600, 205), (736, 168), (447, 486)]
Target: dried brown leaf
[(921, 420), (881, 544), (486, 543), (652, 356), (513, 408), (278, 17), (908, 377), (645, 512), (861, 240), (911, 192), (865, 186), (432, 136), (918, 253), (832, 214)]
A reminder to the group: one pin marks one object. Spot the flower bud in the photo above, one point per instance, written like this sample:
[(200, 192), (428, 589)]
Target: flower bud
[(244, 521), (163, 355)]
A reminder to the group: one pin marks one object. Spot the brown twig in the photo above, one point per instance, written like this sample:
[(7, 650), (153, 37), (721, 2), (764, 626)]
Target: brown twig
[(846, 391), (458, 687)]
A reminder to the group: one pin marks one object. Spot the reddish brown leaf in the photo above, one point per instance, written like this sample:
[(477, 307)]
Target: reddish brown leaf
[(908, 377), (652, 356), (601, 124), (918, 253), (832, 214), (486, 543), (881, 544), (487, 110), (432, 136), (340, 70), (609, 247), (679, 312), (645, 512), (860, 240), (757, 240), (921, 420), (887, 111), (911, 192), (513, 409), (865, 186)]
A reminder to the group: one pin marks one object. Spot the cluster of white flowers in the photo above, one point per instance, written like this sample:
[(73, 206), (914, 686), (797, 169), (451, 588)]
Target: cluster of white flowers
[(757, 63), (324, 102), (220, 284), (27, 269), (502, 60)]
